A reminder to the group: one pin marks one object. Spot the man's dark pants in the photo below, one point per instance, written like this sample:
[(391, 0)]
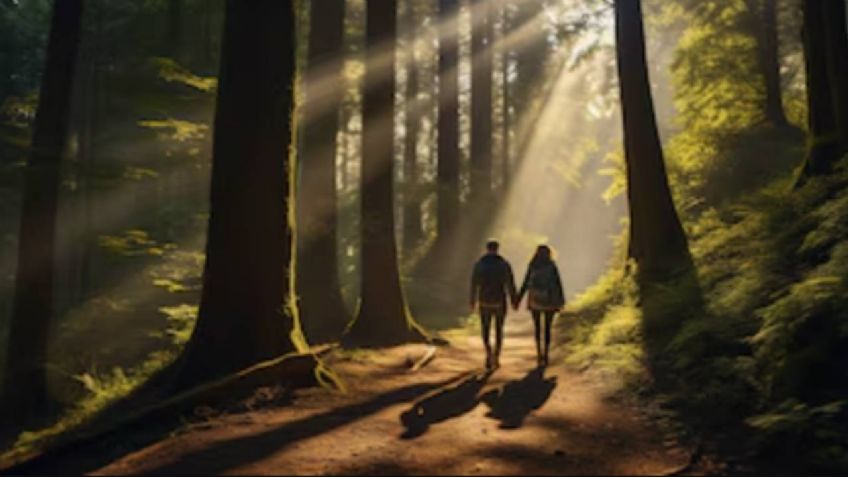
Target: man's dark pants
[(486, 315)]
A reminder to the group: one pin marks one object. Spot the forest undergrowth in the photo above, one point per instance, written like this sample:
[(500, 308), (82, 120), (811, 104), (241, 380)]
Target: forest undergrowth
[(763, 359)]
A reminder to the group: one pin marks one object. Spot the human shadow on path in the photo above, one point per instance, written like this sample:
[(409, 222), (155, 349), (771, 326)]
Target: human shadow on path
[(224, 456), (442, 405), (517, 399)]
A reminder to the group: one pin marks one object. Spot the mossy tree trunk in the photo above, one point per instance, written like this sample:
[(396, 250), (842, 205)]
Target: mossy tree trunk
[(383, 317), (324, 316), (245, 310), (657, 241), (25, 392)]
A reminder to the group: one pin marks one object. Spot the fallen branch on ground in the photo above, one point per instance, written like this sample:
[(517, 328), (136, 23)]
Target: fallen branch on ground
[(429, 355)]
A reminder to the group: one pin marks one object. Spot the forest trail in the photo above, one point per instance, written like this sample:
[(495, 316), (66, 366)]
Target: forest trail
[(446, 418)]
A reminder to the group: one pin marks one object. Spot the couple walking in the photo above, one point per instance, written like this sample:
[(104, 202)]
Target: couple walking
[(492, 282)]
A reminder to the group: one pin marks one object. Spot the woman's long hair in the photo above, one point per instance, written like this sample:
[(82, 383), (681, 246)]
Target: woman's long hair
[(543, 256)]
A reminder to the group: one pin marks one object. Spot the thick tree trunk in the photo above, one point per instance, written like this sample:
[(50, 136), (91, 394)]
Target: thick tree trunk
[(822, 149), (412, 231), (770, 65), (246, 314), (25, 380), (322, 309), (448, 119), (481, 103), (383, 317), (837, 48), (657, 240)]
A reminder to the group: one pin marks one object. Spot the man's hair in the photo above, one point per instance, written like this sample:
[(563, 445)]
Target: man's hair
[(492, 245)]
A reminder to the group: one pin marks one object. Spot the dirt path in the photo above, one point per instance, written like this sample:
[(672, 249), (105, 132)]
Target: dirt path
[(447, 418)]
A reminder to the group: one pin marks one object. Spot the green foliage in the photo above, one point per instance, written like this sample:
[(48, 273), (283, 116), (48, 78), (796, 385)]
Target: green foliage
[(792, 425), (714, 90), (768, 343), (181, 320), (133, 243), (180, 273), (725, 148), (172, 72), (102, 390), (607, 336), (177, 130), (19, 110)]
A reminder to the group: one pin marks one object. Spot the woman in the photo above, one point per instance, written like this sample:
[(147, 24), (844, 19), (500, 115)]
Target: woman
[(545, 296)]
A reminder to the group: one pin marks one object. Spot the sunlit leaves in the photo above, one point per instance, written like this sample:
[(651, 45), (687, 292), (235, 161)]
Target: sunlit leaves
[(19, 111), (134, 243), (180, 273), (172, 72), (176, 129), (181, 319), (139, 173), (618, 175)]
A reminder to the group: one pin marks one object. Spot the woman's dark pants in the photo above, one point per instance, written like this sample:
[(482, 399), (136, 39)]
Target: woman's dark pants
[(549, 319)]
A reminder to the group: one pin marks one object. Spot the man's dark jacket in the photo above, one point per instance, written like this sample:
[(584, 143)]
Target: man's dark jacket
[(491, 281)]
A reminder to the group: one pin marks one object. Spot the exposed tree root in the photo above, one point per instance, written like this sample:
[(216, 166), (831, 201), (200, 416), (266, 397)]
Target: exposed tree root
[(291, 370)]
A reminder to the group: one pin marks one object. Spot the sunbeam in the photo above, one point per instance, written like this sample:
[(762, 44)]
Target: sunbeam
[(556, 193)]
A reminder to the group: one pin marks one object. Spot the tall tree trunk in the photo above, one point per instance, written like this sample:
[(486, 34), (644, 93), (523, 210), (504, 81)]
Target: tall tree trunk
[(210, 33), (657, 241), (448, 120), (506, 122), (770, 65), (246, 314), (174, 33), (383, 317), (412, 232), (25, 380), (344, 147), (837, 48), (822, 149), (481, 102), (530, 56), (322, 309), (85, 155)]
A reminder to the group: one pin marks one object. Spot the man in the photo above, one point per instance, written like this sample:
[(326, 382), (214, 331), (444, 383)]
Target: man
[(491, 280)]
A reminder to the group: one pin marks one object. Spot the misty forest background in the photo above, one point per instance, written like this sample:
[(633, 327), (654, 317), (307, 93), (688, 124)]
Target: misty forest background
[(708, 270)]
